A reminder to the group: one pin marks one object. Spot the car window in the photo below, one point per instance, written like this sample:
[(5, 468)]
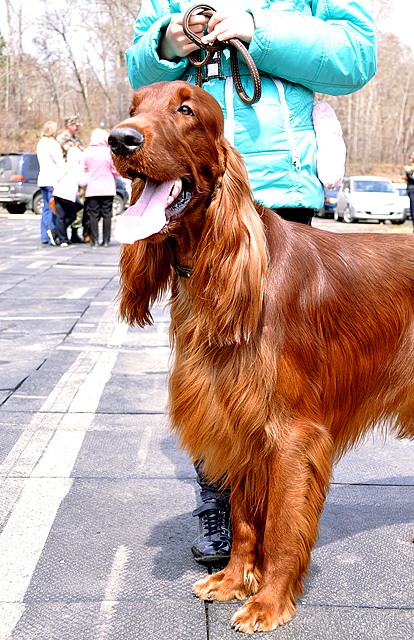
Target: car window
[(5, 163), (30, 167), (9, 164), (373, 186), (33, 164)]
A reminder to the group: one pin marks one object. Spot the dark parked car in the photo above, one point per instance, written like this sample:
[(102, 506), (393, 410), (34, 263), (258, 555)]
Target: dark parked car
[(19, 190), (18, 182), (329, 203)]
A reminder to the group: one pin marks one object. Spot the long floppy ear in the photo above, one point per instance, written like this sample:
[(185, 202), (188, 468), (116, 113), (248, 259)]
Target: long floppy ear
[(232, 258), (145, 272)]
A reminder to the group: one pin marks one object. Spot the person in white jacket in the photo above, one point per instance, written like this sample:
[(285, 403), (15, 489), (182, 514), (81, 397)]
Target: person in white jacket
[(65, 195), (51, 163)]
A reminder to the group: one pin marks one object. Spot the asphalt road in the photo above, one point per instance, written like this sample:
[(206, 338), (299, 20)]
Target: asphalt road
[(96, 498)]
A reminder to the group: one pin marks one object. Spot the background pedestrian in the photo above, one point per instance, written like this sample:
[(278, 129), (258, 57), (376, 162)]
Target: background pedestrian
[(65, 195), (50, 157), (69, 138), (101, 187)]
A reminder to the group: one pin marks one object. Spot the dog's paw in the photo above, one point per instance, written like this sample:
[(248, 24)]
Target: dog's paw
[(259, 615), (220, 586)]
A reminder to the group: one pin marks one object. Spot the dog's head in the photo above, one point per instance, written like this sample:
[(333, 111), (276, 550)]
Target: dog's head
[(196, 206), (169, 148)]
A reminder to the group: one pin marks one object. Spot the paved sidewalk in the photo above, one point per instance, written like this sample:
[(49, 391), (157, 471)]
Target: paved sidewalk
[(96, 498)]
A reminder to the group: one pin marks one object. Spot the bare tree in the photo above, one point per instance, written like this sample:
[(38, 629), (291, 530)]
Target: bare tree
[(110, 28), (57, 25)]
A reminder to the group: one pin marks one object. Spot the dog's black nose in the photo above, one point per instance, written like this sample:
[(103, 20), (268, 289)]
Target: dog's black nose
[(125, 140)]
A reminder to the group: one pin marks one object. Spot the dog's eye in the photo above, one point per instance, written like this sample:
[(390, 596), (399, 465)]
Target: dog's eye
[(185, 110)]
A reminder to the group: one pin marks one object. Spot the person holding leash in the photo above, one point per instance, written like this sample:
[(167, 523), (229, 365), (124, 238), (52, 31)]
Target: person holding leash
[(299, 47)]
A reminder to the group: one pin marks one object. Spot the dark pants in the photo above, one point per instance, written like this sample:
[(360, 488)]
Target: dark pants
[(297, 215), (100, 207), (211, 490), (65, 215), (86, 223), (411, 196)]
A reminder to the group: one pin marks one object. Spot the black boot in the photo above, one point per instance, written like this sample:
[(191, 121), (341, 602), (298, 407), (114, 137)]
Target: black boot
[(76, 238), (213, 541)]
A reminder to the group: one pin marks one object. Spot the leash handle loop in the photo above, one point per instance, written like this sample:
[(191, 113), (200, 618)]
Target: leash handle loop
[(234, 44)]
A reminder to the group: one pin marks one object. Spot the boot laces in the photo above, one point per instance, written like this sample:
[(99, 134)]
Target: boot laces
[(214, 523)]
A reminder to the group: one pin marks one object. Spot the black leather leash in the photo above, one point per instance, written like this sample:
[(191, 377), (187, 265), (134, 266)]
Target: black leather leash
[(234, 44)]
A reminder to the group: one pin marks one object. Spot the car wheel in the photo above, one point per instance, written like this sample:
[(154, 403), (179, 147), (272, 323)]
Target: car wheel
[(397, 221), (15, 207), (337, 217), (348, 217), (37, 206), (118, 205)]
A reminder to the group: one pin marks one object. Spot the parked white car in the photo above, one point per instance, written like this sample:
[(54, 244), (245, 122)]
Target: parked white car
[(369, 198), (402, 190)]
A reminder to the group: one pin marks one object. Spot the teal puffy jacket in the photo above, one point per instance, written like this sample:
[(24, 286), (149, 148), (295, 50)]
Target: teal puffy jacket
[(299, 46)]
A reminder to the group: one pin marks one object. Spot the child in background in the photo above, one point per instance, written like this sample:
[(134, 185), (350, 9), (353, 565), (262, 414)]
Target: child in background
[(65, 196)]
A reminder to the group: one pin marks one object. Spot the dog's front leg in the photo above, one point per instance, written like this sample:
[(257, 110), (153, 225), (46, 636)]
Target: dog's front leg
[(241, 577), (298, 479)]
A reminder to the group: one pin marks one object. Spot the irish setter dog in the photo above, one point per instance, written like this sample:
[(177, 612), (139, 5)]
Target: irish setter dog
[(290, 343)]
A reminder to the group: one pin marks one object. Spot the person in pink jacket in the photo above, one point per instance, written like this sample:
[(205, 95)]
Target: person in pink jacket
[(97, 161)]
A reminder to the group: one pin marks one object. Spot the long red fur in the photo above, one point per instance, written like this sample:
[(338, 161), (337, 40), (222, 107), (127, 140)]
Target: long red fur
[(290, 344)]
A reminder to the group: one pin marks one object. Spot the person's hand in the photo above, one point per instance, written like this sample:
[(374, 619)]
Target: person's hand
[(174, 43), (224, 26)]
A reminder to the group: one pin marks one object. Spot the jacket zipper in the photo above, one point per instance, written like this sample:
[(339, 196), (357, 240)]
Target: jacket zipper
[(229, 124), (285, 111)]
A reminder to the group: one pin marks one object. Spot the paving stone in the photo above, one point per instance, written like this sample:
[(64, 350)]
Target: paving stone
[(322, 623), (33, 391), (146, 393), (143, 449), (13, 372), (4, 394), (378, 461), (8, 438), (364, 556)]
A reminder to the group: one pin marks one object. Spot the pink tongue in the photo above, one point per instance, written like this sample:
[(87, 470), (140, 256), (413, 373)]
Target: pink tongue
[(147, 216)]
